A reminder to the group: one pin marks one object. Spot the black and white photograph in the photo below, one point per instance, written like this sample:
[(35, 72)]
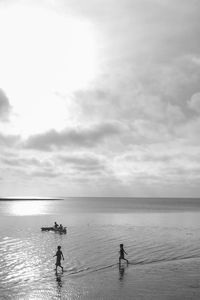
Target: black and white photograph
[(99, 149)]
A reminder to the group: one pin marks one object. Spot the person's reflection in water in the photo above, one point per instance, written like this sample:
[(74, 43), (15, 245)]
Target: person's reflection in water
[(58, 279), (121, 272), (59, 284)]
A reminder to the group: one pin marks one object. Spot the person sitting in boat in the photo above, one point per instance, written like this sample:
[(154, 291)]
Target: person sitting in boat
[(55, 225), (61, 227)]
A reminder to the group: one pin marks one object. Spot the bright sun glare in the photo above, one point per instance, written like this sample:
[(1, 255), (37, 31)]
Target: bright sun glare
[(27, 208), (43, 54)]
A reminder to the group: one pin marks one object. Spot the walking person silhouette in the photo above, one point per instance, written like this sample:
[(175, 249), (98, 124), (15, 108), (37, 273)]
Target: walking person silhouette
[(122, 252), (60, 256)]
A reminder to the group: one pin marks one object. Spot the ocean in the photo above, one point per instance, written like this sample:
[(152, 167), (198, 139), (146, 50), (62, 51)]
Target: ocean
[(161, 238)]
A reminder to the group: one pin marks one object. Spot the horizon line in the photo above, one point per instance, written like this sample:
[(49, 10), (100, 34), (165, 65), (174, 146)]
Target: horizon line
[(18, 198)]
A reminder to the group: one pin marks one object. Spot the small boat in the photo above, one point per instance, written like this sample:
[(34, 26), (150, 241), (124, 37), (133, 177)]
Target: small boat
[(63, 230)]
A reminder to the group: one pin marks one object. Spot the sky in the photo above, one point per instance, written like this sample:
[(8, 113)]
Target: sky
[(99, 98)]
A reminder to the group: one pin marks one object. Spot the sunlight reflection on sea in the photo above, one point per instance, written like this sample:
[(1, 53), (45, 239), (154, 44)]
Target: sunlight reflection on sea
[(90, 245)]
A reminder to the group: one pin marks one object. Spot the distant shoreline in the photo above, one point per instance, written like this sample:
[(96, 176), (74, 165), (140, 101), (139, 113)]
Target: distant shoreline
[(30, 199)]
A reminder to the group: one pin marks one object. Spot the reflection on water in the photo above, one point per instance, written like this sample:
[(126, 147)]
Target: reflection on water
[(121, 272), (89, 247), (107, 211), (59, 279), (59, 284), (27, 208)]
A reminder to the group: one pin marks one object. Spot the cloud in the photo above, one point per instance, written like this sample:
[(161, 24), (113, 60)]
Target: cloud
[(29, 167), (135, 128), (189, 132), (146, 118), (24, 162), (135, 34), (194, 102), (158, 164), (83, 162), (158, 57), (9, 140), (127, 105), (5, 107), (45, 173), (79, 137)]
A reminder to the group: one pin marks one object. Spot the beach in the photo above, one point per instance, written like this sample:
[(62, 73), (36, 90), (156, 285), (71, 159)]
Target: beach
[(162, 245)]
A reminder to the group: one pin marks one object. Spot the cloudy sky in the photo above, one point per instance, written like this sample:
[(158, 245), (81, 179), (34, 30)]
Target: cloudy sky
[(100, 97)]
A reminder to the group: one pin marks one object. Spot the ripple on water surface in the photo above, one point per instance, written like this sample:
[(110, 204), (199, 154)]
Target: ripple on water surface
[(27, 263)]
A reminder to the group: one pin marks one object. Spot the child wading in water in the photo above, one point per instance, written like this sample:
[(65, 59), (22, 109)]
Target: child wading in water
[(59, 255), (121, 252)]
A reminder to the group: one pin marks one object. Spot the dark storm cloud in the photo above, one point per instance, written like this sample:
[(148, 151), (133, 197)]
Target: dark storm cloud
[(81, 137), (5, 106)]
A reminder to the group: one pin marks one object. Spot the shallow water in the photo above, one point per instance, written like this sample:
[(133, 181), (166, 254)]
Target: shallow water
[(153, 232)]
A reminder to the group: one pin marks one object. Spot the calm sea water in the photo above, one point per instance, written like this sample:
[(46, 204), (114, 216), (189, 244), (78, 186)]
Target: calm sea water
[(152, 230)]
